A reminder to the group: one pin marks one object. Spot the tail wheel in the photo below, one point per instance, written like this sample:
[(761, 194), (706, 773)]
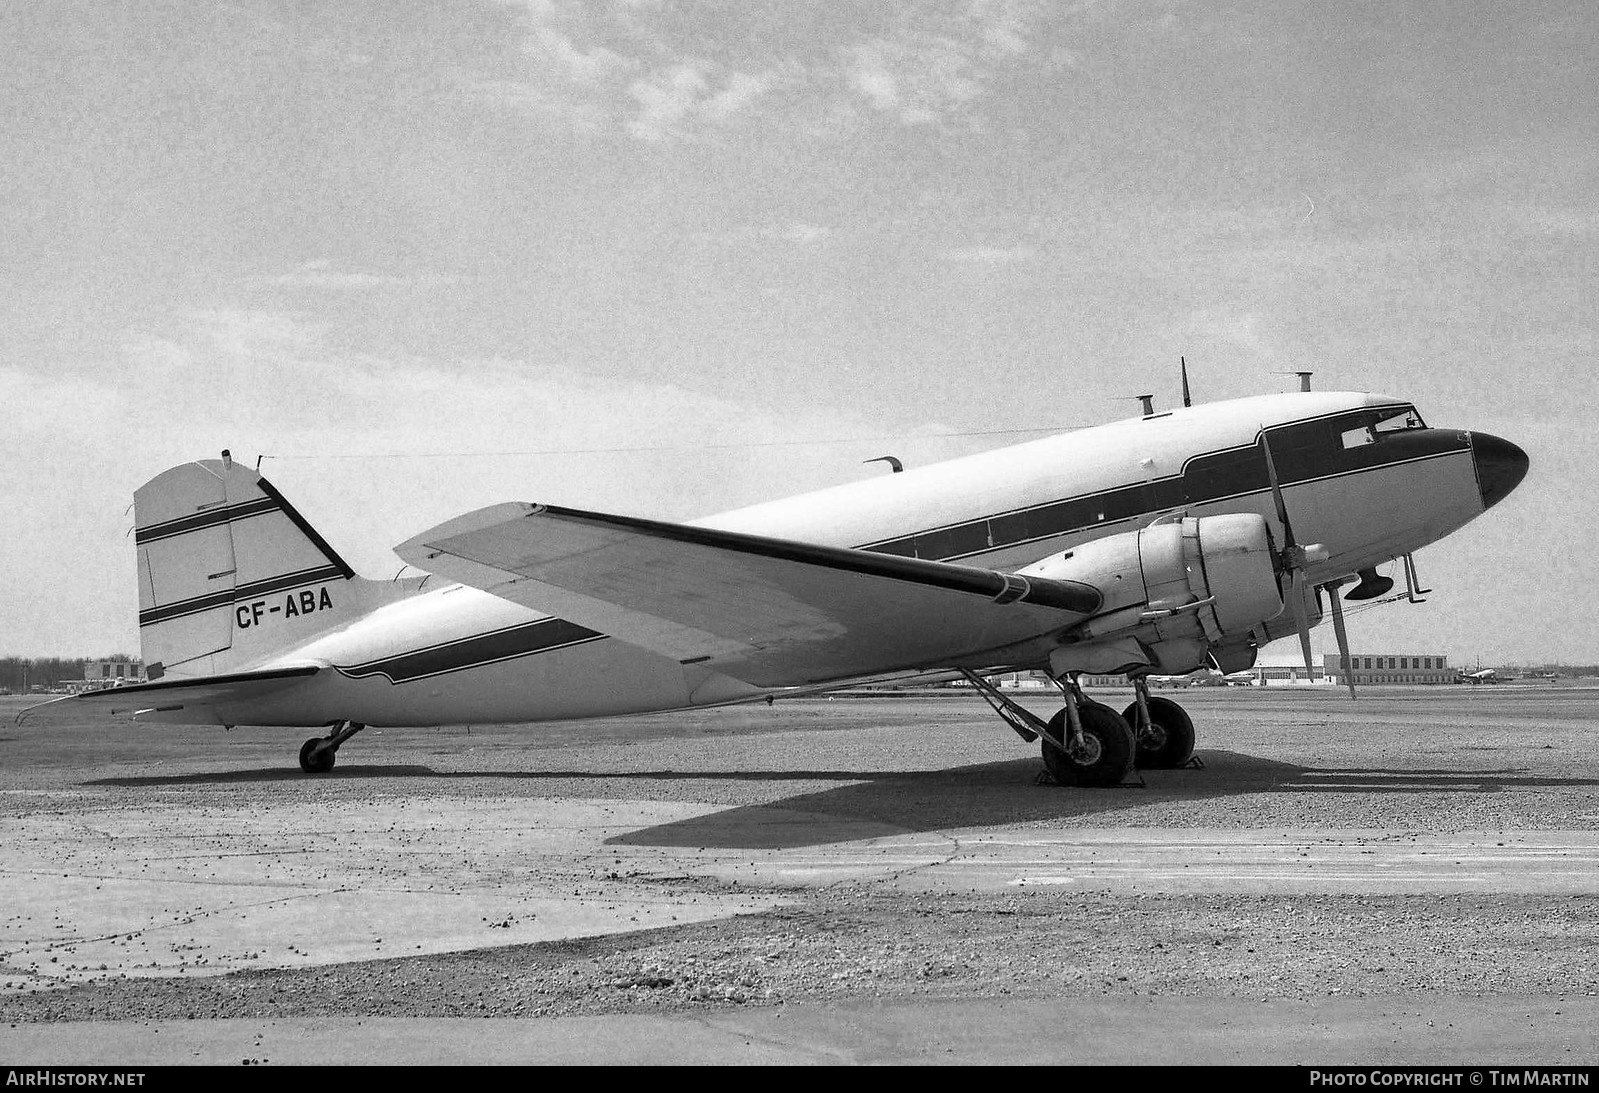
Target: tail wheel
[(1105, 755), (1169, 740)]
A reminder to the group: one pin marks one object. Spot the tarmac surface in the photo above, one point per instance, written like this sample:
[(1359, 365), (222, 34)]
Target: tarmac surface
[(1413, 877)]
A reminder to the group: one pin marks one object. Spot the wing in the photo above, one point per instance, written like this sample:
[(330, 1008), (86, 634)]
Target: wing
[(772, 612), (167, 695)]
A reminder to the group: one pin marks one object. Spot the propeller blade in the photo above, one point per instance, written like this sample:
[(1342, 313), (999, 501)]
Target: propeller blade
[(1277, 494), (1302, 618), (1343, 638)]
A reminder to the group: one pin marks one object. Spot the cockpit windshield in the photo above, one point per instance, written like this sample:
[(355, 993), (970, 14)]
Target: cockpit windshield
[(1378, 423)]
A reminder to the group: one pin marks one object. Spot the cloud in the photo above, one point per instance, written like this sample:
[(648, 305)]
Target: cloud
[(591, 65), (920, 82), (1552, 221), (740, 91), (665, 101), (397, 442), (871, 78), (370, 449), (683, 101), (664, 73), (992, 256), (802, 234), (1246, 337), (320, 274)]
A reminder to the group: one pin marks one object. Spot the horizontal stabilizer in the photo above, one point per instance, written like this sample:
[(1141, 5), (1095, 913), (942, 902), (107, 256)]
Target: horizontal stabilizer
[(174, 694), (772, 612)]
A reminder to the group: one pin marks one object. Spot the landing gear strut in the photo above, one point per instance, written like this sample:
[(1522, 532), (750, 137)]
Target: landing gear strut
[(1163, 730), (318, 753), (1085, 744)]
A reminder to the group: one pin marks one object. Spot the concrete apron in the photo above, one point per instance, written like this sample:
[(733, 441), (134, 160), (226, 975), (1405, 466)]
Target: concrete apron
[(170, 890)]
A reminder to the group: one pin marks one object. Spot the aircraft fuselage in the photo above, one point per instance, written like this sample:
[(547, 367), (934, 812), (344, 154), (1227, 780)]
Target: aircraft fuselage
[(1359, 474)]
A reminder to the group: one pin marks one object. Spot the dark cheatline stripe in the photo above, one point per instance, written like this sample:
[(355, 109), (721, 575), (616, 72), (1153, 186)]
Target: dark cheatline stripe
[(201, 520), (1304, 452), (227, 597), (515, 641)]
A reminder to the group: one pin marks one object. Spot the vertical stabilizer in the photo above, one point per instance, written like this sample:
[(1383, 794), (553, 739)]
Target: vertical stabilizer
[(229, 573)]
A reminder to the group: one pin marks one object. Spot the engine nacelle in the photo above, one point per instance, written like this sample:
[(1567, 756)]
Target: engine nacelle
[(1172, 591)]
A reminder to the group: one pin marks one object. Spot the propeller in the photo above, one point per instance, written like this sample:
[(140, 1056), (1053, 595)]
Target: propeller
[(1292, 563), (1343, 637)]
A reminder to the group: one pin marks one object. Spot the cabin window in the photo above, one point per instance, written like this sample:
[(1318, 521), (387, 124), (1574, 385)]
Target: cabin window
[(1354, 438)]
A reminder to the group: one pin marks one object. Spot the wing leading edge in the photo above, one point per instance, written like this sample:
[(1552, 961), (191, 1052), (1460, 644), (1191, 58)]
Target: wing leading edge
[(773, 612)]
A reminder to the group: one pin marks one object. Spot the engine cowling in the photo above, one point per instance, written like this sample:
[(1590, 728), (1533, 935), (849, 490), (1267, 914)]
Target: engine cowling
[(1172, 591)]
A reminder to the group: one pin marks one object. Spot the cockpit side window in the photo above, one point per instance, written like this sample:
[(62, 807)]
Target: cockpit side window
[(1373, 426), (1405, 419)]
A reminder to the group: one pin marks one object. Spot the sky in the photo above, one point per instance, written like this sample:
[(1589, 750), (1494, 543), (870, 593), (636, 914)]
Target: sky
[(669, 259)]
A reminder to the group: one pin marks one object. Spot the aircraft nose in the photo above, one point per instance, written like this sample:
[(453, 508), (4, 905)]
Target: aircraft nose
[(1500, 467)]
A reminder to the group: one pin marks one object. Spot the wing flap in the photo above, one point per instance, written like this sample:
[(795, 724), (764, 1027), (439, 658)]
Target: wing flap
[(769, 611)]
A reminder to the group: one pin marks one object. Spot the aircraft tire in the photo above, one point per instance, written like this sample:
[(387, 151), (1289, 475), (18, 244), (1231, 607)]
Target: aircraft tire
[(314, 762), (1107, 748), (1170, 742)]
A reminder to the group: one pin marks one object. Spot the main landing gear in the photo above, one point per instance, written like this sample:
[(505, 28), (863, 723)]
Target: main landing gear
[(1163, 729), (318, 753), (1089, 744)]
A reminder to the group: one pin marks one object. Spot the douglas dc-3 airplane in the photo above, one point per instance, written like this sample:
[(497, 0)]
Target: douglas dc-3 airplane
[(1158, 544)]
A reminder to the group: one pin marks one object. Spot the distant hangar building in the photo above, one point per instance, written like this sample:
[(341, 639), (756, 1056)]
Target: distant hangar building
[(108, 673), (1380, 668)]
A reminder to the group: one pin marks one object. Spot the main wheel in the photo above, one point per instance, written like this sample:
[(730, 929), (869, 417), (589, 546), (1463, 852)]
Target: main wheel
[(313, 761), (1169, 741), (1105, 755)]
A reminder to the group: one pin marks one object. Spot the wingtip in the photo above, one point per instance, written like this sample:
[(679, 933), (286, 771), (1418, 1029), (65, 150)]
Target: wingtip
[(418, 549), (26, 711)]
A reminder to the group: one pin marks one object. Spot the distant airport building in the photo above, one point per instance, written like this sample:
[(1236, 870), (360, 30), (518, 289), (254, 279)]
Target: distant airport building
[(1023, 681), (109, 673), (1285, 667), (1379, 668)]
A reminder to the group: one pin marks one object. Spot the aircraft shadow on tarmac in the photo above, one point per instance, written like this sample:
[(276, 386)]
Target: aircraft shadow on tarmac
[(1010, 792), (267, 774), (875, 803)]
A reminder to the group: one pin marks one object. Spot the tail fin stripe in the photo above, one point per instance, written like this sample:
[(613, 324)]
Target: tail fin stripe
[(229, 596), (202, 520), (306, 529)]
